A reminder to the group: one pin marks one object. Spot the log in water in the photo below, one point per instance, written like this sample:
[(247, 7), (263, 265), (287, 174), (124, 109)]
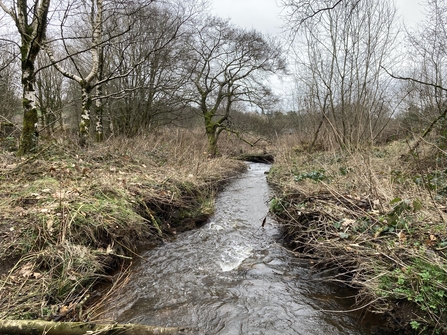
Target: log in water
[(232, 276)]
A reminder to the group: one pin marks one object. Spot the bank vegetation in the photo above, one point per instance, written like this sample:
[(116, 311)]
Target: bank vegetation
[(374, 220), (73, 220)]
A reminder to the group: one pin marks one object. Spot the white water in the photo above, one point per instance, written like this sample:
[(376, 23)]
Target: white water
[(231, 276)]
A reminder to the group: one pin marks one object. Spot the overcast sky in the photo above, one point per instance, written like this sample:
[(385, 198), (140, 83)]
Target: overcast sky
[(263, 15)]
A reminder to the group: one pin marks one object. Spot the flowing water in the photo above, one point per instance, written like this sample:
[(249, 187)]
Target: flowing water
[(232, 276)]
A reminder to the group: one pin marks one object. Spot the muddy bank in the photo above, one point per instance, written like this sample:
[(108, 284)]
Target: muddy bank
[(367, 222), (69, 219)]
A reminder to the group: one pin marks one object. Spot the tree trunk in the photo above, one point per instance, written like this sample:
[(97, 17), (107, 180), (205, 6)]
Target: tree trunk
[(84, 124), (26, 327), (99, 108), (212, 135), (29, 136), (99, 127), (32, 32), (99, 111)]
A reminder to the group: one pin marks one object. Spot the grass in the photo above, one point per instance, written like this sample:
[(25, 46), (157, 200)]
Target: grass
[(376, 217), (373, 219), (70, 218)]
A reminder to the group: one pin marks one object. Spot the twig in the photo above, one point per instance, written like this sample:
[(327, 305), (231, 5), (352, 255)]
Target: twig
[(351, 310)]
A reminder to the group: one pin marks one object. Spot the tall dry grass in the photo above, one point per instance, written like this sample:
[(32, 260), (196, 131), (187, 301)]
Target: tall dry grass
[(70, 217), (376, 217)]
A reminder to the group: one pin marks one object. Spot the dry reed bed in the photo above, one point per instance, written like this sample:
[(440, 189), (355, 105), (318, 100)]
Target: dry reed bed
[(373, 220), (69, 218)]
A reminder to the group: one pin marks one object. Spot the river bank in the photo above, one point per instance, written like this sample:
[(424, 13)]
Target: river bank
[(231, 277), (70, 218), (373, 220)]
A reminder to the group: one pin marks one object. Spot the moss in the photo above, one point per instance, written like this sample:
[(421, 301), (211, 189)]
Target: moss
[(28, 139)]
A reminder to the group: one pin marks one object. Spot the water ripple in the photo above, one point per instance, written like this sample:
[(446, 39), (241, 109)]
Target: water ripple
[(230, 277)]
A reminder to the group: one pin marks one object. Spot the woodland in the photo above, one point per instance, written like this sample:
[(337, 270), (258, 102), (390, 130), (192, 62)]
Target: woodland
[(121, 120)]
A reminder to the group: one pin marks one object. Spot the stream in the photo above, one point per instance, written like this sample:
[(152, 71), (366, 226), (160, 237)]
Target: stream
[(232, 276)]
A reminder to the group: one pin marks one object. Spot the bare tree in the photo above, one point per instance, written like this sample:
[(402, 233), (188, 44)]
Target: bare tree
[(31, 20), (426, 81), (93, 18), (50, 95), (298, 11), (120, 41), (340, 58), (150, 95), (9, 93), (86, 29), (226, 65)]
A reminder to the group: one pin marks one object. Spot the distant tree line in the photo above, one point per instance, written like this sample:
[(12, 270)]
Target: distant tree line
[(105, 67), (362, 77), (100, 68)]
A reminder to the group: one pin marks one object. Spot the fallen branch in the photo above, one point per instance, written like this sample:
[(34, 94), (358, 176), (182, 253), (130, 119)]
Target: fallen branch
[(24, 327)]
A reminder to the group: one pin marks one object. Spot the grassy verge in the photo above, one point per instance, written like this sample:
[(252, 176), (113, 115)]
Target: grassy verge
[(374, 220), (70, 218)]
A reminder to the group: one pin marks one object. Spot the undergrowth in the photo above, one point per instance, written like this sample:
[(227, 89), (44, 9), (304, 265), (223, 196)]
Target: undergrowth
[(376, 217), (69, 218)]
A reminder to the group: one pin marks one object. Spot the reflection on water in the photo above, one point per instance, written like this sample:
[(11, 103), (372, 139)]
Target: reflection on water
[(231, 276)]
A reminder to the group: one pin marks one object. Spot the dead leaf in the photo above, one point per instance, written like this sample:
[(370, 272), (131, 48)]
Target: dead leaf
[(109, 249), (347, 222), (402, 237), (429, 242), (64, 310), (37, 275), (50, 225), (60, 195), (26, 270)]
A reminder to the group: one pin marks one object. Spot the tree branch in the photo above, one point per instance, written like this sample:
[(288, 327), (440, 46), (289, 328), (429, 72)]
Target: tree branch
[(414, 80), (318, 11), (7, 10)]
